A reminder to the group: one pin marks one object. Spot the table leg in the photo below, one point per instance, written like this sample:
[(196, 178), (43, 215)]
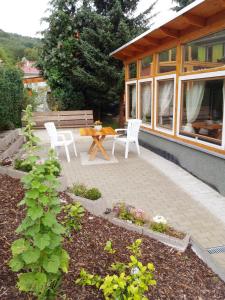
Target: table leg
[(92, 147), (98, 146)]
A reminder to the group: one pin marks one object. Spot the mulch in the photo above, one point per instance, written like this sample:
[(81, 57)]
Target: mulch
[(180, 276)]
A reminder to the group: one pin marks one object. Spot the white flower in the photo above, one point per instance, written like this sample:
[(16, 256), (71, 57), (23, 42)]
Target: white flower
[(134, 270), (160, 219)]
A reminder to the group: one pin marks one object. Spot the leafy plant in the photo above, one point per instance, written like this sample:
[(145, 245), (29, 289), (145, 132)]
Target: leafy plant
[(73, 215), (82, 191), (109, 247), (93, 194), (159, 227), (130, 282), (130, 213)]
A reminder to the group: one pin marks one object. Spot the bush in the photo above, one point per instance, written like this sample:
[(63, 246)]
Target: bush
[(82, 191), (93, 194), (11, 96), (159, 227)]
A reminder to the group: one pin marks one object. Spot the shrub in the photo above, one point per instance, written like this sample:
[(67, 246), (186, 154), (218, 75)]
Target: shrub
[(130, 213), (93, 194), (73, 215), (11, 96), (82, 191), (130, 281), (22, 165), (159, 227)]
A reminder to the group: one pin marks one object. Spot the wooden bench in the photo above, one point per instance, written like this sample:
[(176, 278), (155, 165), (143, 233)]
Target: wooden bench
[(64, 119)]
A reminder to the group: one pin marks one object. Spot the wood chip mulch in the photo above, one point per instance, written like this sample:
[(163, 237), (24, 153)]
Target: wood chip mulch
[(180, 276)]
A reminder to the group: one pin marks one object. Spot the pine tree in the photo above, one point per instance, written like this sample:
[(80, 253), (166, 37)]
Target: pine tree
[(181, 4), (76, 46)]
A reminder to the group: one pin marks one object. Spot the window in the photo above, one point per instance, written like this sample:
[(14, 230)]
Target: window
[(202, 109), (145, 66), (167, 61), (145, 101), (131, 92), (205, 53), (165, 103), (132, 70)]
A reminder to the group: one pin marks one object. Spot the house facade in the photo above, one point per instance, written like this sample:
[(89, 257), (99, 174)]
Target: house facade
[(175, 83)]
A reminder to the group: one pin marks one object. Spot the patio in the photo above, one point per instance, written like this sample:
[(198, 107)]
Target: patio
[(153, 184)]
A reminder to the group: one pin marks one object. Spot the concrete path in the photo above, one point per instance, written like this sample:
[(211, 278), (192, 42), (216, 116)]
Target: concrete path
[(157, 186)]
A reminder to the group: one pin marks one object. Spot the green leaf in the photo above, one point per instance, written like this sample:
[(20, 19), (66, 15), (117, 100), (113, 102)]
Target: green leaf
[(44, 200), (42, 240), (32, 282), (58, 228), (49, 219), (35, 212), (19, 246), (51, 264), (33, 230), (64, 261), (31, 256), (55, 240), (34, 194), (26, 223), (16, 264)]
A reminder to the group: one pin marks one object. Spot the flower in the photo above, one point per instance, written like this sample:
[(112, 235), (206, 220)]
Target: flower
[(139, 214), (40, 161), (98, 122), (134, 271), (160, 219)]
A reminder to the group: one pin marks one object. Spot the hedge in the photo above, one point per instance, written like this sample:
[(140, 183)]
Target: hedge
[(11, 96)]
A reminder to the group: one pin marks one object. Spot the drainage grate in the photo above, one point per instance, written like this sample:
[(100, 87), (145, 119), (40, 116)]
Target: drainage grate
[(216, 250)]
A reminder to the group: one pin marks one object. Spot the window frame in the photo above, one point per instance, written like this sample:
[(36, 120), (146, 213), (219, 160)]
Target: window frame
[(152, 100), (150, 67), (200, 76), (158, 62), (156, 127), (131, 82)]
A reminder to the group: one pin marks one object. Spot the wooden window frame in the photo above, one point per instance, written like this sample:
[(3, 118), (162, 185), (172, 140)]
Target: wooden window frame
[(152, 100), (131, 82), (200, 76), (156, 99)]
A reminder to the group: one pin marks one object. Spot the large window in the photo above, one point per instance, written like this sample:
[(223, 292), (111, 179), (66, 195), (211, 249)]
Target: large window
[(165, 103), (202, 109), (145, 101), (131, 92), (132, 70), (167, 61), (205, 53), (146, 66)]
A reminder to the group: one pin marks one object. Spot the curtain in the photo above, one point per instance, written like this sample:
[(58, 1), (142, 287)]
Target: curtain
[(194, 97), (133, 101), (166, 92), (146, 101)]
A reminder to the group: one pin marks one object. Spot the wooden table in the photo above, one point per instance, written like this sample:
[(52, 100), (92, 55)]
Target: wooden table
[(98, 138), (213, 128)]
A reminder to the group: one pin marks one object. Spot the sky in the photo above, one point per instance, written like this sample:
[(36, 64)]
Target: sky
[(23, 16)]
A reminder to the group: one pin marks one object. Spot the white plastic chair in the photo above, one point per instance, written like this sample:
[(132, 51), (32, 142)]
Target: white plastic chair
[(59, 139), (131, 131)]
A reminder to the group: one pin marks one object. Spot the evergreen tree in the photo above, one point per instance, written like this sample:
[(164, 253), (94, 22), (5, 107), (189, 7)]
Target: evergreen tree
[(181, 4), (76, 46)]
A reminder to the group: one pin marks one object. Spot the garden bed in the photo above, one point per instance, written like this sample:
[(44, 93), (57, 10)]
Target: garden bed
[(178, 275)]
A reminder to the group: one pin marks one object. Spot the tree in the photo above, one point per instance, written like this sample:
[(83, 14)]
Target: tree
[(181, 4), (76, 46)]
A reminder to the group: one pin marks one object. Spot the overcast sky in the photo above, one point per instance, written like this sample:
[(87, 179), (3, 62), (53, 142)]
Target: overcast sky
[(23, 16)]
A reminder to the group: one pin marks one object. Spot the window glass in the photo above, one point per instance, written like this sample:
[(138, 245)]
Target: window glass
[(146, 65), (202, 110), (131, 100), (145, 101), (165, 104), (205, 53), (167, 61), (132, 70)]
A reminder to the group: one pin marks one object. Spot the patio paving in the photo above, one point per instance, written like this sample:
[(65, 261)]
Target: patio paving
[(154, 184)]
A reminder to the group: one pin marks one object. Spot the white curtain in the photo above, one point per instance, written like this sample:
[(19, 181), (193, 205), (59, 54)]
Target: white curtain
[(146, 101), (133, 101), (194, 97), (166, 93)]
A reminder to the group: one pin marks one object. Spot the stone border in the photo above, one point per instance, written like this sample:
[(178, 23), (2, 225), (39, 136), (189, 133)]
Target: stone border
[(207, 258), (10, 136), (19, 174), (13, 148), (96, 207), (178, 244)]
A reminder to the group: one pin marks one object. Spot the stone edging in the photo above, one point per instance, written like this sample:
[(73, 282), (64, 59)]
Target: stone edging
[(13, 148), (19, 174)]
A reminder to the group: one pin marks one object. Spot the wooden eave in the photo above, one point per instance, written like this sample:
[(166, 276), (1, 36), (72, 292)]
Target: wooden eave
[(194, 17)]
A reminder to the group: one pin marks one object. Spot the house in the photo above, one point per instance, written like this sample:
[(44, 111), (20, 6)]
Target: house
[(175, 83)]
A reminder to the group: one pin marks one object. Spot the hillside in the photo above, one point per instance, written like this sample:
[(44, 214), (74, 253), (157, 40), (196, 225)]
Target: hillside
[(16, 46)]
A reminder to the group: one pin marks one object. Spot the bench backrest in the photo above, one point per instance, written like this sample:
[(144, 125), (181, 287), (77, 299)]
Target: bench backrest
[(64, 119)]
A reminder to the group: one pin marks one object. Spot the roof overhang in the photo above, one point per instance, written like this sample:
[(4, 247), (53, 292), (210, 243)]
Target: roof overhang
[(191, 18)]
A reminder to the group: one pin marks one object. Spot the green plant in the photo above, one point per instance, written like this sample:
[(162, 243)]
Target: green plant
[(82, 191), (109, 247), (130, 282), (93, 194), (159, 227), (73, 215), (22, 165)]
